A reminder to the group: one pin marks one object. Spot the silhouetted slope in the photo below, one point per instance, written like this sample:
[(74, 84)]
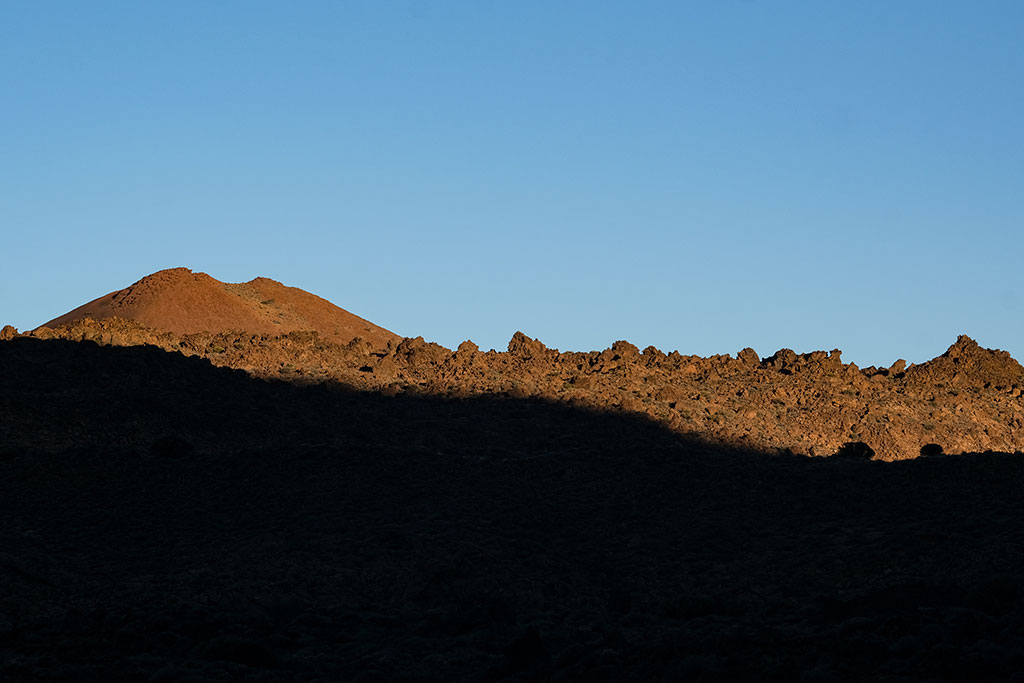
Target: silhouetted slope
[(164, 519), (968, 399), (180, 301)]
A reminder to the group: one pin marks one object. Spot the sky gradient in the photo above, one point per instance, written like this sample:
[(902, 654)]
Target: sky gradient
[(697, 176)]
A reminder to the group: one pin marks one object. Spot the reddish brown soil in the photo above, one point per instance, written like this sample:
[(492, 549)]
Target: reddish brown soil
[(180, 301), (969, 399)]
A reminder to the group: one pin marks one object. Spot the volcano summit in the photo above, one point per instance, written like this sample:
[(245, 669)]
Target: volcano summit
[(180, 301)]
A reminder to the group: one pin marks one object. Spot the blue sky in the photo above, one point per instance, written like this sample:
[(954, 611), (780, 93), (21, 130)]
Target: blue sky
[(700, 176)]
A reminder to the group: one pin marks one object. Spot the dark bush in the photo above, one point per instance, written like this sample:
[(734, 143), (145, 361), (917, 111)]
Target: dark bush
[(856, 449)]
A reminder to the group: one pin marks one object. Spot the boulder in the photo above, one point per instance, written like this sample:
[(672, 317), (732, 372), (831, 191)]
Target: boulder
[(749, 356), (526, 348), (468, 347)]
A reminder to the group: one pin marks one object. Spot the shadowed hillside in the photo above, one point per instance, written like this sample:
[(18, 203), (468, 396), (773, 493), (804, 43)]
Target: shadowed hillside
[(165, 519), (968, 399)]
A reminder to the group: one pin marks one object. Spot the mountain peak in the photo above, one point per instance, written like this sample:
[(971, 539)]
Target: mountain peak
[(185, 302)]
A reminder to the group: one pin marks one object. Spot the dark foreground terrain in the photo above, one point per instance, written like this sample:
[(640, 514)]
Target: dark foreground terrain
[(163, 519)]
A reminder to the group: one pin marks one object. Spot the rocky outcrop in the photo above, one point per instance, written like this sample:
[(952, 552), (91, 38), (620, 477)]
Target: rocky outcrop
[(969, 399)]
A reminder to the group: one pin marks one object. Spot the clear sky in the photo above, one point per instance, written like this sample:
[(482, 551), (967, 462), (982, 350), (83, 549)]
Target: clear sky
[(700, 176)]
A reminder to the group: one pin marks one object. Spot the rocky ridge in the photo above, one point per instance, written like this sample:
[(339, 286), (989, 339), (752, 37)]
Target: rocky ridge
[(168, 520), (969, 399)]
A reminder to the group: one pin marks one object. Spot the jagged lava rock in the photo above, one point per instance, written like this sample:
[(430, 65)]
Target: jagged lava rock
[(969, 399)]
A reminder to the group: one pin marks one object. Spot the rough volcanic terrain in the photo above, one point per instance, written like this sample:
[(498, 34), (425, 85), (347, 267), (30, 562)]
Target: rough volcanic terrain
[(180, 301), (969, 399), (223, 500), (164, 519)]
